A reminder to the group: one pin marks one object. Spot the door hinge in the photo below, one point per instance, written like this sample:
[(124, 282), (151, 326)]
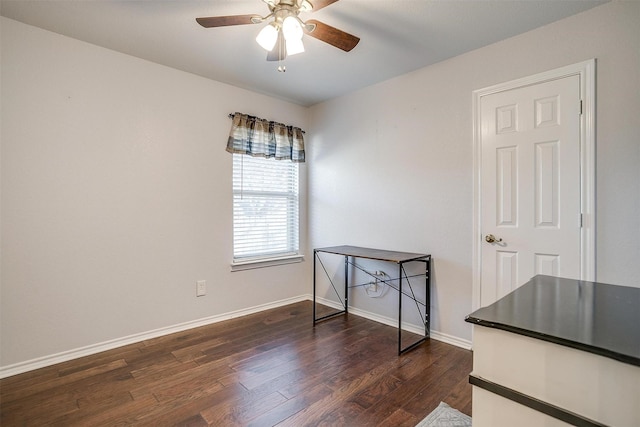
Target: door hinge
[(581, 222), (581, 107)]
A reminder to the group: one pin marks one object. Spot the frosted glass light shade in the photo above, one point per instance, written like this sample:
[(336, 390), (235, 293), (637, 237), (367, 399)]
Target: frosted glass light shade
[(294, 46), (267, 37), (291, 29)]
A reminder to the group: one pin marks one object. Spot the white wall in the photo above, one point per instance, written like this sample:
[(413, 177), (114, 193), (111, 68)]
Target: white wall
[(116, 196), (391, 165)]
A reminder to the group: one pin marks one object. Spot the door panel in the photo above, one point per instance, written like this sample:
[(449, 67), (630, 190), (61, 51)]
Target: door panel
[(507, 186), (506, 273), (546, 184)]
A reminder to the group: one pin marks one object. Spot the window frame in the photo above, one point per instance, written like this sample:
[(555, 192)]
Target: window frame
[(265, 259)]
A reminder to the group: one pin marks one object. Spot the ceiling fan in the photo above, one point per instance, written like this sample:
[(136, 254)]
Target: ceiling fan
[(283, 34)]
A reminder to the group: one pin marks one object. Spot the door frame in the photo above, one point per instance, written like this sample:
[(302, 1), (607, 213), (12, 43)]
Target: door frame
[(587, 72)]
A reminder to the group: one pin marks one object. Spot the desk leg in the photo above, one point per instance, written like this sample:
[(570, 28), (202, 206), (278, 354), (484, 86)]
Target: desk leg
[(427, 308), (315, 254), (412, 296), (400, 309), (316, 260), (346, 284)]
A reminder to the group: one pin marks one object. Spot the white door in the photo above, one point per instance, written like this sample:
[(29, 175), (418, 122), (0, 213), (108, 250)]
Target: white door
[(530, 205)]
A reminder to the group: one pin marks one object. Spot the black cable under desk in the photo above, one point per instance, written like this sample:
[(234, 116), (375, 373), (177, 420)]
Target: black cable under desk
[(350, 254)]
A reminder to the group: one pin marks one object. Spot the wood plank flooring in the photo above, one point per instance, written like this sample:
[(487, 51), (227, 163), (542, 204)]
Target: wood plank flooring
[(266, 369)]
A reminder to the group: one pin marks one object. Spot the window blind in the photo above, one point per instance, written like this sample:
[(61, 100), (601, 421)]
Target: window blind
[(265, 208)]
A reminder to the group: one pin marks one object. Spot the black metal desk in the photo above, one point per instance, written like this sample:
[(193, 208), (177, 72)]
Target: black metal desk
[(399, 258)]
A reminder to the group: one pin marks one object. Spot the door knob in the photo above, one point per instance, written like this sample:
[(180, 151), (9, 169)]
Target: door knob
[(490, 238)]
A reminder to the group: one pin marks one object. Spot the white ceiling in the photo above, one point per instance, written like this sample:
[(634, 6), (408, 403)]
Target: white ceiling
[(397, 36)]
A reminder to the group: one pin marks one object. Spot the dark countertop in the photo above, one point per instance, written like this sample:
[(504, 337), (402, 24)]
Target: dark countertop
[(595, 317)]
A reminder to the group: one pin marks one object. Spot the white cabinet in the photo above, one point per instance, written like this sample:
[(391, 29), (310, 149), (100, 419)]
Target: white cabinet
[(558, 352)]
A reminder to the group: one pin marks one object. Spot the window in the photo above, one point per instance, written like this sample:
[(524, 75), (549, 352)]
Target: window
[(265, 209)]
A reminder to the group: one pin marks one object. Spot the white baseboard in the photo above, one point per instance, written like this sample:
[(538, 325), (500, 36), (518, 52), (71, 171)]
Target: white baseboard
[(409, 327), (41, 362)]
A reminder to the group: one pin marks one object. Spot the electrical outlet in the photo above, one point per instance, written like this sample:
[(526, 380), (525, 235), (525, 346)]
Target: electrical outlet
[(376, 288), (201, 288)]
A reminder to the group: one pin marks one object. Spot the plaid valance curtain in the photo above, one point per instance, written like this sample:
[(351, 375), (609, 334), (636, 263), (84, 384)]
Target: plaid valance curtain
[(262, 138)]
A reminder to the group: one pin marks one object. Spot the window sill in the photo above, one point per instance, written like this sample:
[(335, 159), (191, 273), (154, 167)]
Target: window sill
[(269, 262)]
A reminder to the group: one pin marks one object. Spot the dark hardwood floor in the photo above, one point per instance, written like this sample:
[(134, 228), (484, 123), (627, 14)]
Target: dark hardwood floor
[(269, 368)]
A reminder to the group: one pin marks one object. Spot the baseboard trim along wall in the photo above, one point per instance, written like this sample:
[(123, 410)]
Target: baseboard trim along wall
[(41, 362), (416, 329)]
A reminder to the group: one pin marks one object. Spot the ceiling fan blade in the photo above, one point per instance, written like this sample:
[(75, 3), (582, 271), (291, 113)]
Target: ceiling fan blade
[(279, 51), (319, 4), (332, 35), (225, 21)]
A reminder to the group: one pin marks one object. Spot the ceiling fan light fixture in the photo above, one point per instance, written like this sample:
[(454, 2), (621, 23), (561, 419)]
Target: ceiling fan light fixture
[(267, 37), (283, 35)]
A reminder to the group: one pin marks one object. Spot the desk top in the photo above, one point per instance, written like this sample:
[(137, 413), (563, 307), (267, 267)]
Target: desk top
[(594, 317), (377, 254)]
